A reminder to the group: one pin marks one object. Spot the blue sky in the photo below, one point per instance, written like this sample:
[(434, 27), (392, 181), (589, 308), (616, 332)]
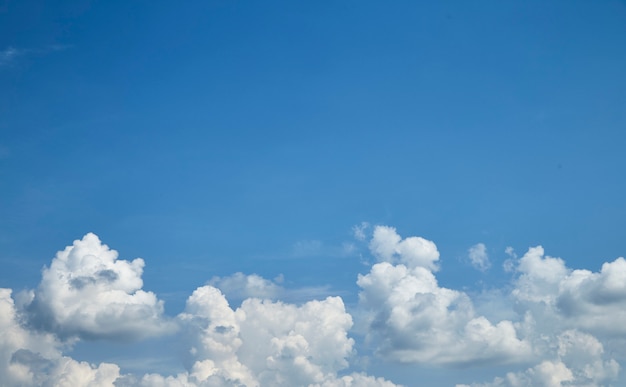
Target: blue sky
[(219, 137)]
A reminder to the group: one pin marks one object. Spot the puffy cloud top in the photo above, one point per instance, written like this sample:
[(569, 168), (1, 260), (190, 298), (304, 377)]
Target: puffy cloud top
[(387, 246), (415, 320), (563, 320), (573, 298), (88, 292), (267, 343), (34, 359)]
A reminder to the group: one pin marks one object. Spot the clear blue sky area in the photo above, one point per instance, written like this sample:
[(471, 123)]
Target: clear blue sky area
[(215, 137)]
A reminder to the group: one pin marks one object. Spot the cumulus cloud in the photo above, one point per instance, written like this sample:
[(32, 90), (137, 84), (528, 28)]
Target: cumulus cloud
[(573, 298), (414, 320), (88, 292), (34, 359), (478, 257), (577, 360), (554, 326), (264, 342), (565, 313), (387, 246), (411, 319)]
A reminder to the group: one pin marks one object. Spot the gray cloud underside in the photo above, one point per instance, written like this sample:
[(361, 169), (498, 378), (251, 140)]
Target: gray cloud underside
[(556, 328)]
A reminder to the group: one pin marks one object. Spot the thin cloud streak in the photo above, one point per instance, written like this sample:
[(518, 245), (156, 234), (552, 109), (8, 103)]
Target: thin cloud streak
[(10, 55)]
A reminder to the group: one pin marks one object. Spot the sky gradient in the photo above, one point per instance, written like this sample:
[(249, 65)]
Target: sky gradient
[(396, 181)]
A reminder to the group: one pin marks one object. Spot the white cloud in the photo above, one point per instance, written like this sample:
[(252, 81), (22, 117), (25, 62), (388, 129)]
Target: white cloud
[(264, 343), (89, 293), (413, 320), (267, 343), (562, 320), (566, 313), (387, 246), (478, 257), (241, 286), (359, 231), (573, 298), (34, 359), (355, 380), (578, 360)]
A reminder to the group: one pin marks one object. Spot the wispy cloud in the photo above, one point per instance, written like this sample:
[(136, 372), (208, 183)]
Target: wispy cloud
[(478, 257), (10, 55), (239, 287)]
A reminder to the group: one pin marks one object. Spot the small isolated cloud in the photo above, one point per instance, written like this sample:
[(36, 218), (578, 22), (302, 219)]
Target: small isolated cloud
[(511, 262), (359, 231), (8, 55), (478, 257), (88, 293)]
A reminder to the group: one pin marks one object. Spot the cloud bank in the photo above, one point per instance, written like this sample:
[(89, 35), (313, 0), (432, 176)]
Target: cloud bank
[(561, 327)]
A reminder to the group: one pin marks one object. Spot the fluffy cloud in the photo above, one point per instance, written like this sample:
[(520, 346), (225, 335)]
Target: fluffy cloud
[(577, 360), (563, 320), (478, 257), (573, 298), (34, 359), (89, 293), (266, 343), (413, 319), (387, 246), (563, 313)]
